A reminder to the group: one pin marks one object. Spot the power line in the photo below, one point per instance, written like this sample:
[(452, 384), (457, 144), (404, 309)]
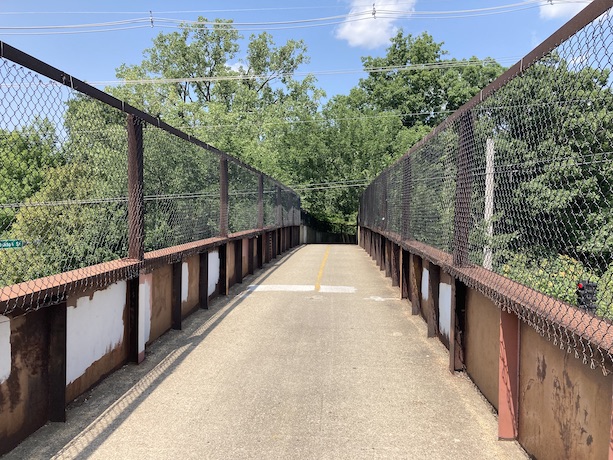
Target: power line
[(447, 64), (353, 15)]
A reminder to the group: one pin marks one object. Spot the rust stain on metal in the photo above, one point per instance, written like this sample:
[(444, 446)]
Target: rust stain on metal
[(571, 420), (541, 368)]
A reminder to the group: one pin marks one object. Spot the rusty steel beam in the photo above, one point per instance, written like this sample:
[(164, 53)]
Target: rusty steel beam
[(223, 196), (260, 223), (395, 264), (434, 280), (136, 201), (57, 362), (508, 376), (133, 320), (176, 313), (223, 269), (415, 277), (238, 261), (405, 290), (250, 255), (203, 281)]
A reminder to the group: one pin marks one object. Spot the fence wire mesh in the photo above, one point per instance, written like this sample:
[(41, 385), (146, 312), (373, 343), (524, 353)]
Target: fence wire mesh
[(65, 191), (63, 178), (242, 198), (181, 188), (270, 202), (521, 185)]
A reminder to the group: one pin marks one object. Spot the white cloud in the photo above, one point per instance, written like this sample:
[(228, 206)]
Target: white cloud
[(564, 9), (361, 29), (235, 66)]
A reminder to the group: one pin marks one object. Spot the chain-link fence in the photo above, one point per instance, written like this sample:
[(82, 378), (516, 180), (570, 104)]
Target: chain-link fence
[(519, 182), (87, 180)]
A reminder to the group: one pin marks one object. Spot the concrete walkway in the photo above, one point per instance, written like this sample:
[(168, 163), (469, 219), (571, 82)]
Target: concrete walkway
[(314, 358)]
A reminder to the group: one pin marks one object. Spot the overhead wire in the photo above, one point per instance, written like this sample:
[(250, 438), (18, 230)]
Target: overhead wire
[(447, 64), (353, 15)]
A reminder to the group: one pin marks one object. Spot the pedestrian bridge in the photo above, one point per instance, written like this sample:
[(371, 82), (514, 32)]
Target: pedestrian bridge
[(314, 356), (157, 295)]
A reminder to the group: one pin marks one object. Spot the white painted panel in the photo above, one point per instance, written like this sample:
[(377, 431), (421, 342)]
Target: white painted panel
[(425, 281), (94, 327), (444, 309), (5, 348), (144, 310), (338, 289), (281, 288), (184, 281), (213, 271)]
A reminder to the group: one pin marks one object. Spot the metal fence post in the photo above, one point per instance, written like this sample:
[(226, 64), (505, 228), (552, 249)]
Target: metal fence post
[(406, 198), (384, 184), (136, 203), (279, 218), (223, 196), (261, 200), (461, 228)]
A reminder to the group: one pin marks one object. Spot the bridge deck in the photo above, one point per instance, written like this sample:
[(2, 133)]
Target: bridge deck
[(317, 358)]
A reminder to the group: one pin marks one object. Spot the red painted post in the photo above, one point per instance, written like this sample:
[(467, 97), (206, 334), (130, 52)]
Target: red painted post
[(508, 376)]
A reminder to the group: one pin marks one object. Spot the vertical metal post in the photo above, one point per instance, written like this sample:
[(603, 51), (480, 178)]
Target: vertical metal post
[(380, 249), (260, 250), (434, 281), (452, 327), (388, 258), (250, 255), (384, 223), (405, 291), (203, 281), (488, 213), (406, 198), (223, 269), (463, 191), (279, 215), (238, 261), (223, 196), (261, 201), (415, 277), (133, 321), (508, 376), (136, 203), (458, 321), (395, 263), (57, 363), (176, 313)]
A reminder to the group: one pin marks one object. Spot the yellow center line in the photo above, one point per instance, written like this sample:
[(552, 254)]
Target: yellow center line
[(321, 269)]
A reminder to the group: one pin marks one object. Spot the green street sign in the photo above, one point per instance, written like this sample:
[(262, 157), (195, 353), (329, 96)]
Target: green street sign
[(11, 244)]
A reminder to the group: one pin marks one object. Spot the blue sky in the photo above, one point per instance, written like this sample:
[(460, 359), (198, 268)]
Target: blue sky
[(337, 43)]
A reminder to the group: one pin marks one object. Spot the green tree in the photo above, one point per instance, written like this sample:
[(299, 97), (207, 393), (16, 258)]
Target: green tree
[(429, 88), (27, 154), (553, 137)]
